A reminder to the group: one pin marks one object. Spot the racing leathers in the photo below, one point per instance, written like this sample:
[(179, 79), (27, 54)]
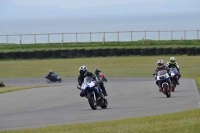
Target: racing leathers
[(81, 79), (174, 65), (164, 67)]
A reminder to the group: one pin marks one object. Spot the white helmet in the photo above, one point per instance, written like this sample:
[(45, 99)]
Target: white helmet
[(83, 70), (50, 70), (172, 60), (160, 63)]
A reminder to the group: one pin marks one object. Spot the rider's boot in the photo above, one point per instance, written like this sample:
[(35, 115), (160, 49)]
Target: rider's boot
[(104, 90), (178, 82), (170, 88), (161, 90)]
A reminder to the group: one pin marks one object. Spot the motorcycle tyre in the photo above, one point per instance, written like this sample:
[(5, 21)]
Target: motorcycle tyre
[(59, 80), (174, 85), (104, 104), (91, 101), (166, 91)]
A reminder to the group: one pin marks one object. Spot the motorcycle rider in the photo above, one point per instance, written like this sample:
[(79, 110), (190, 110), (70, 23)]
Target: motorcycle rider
[(161, 66), (97, 71), (173, 64), (49, 75), (83, 73)]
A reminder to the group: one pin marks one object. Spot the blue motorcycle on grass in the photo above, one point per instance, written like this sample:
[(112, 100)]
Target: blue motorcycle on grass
[(53, 78), (94, 93), (174, 77)]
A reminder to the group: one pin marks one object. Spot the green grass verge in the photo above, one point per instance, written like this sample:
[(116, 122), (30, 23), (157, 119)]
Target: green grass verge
[(181, 122), (127, 66), (88, 45), (17, 88)]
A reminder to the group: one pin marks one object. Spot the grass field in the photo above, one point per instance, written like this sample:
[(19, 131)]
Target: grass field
[(135, 44), (131, 66), (127, 66)]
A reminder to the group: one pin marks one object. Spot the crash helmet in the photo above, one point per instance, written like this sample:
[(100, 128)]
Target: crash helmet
[(83, 70), (172, 60), (160, 63)]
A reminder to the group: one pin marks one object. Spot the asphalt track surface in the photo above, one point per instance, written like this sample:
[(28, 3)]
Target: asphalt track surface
[(60, 103)]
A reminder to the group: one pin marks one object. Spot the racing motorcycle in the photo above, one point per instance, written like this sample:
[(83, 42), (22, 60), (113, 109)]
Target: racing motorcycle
[(174, 77), (100, 75), (162, 77), (54, 78), (94, 93)]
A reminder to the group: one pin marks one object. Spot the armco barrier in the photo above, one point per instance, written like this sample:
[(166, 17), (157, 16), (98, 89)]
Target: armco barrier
[(88, 53), (182, 51), (55, 53), (190, 51), (197, 51), (143, 51), (47, 53), (24, 55), (151, 51), (80, 52), (136, 51), (104, 52), (63, 53), (159, 51), (166, 51), (39, 54), (96, 52), (120, 51), (174, 50), (112, 51), (31, 54), (72, 53)]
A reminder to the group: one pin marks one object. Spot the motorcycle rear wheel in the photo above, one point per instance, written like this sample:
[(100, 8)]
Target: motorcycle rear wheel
[(104, 104)]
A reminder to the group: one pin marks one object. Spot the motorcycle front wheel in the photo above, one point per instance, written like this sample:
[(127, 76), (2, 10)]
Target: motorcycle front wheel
[(59, 80), (92, 101), (166, 88)]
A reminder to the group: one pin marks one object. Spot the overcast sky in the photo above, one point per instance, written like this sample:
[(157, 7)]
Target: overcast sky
[(51, 8), (73, 4)]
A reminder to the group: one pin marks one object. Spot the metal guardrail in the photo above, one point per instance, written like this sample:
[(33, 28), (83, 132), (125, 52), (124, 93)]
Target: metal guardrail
[(99, 37)]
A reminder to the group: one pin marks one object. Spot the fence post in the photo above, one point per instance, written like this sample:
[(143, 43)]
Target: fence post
[(20, 41), (35, 38), (90, 38), (197, 34), (131, 37), (159, 35), (7, 39), (104, 37), (184, 34), (118, 36), (171, 35), (145, 35), (143, 41), (62, 39), (76, 38), (48, 39)]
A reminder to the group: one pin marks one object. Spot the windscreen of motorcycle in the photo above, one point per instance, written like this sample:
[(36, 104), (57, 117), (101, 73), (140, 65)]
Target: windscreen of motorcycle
[(162, 75)]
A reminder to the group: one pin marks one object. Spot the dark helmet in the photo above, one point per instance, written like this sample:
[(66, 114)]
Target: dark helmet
[(83, 70), (160, 63)]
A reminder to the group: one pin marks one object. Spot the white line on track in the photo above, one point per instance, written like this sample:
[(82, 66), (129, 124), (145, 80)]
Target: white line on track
[(197, 92)]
